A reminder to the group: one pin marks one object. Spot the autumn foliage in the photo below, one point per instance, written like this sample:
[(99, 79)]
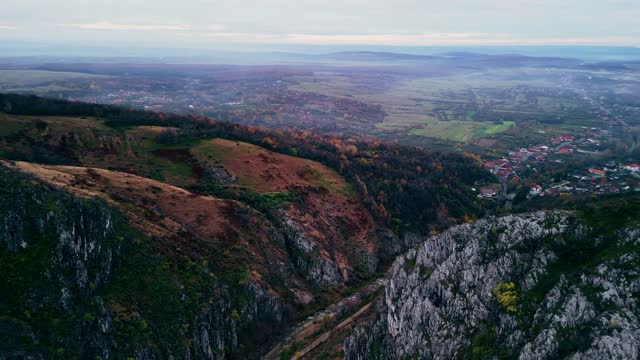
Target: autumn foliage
[(405, 187)]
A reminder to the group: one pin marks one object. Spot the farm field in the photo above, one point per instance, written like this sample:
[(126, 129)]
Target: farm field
[(460, 107), (464, 131), (450, 102), (42, 81)]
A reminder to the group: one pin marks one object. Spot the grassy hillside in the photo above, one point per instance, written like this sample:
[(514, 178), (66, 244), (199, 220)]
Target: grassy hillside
[(265, 171), (290, 227), (406, 188)]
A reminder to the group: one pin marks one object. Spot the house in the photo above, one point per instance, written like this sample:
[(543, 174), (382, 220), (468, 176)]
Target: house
[(632, 167), (487, 193), (560, 139), (597, 172), (536, 190)]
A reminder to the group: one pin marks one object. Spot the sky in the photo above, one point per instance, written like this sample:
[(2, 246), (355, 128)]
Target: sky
[(210, 23)]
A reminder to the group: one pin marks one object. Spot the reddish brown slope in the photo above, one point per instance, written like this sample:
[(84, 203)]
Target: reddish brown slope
[(181, 220), (330, 214)]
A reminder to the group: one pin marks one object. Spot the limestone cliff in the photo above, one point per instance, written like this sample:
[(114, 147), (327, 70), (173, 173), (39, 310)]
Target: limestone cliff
[(534, 286)]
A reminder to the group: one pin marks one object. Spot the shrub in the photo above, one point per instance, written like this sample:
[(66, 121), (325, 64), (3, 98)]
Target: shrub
[(507, 296)]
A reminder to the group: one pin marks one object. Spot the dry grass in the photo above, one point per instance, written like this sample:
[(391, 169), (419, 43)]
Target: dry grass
[(266, 171), (157, 207), (56, 124)]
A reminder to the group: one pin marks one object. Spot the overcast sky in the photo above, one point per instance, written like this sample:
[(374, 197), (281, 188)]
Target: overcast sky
[(326, 22)]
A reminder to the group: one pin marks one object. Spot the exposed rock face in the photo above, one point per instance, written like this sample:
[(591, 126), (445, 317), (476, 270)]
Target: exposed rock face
[(576, 294), (391, 245), (220, 175), (216, 332), (81, 227), (308, 258), (69, 245), (59, 257)]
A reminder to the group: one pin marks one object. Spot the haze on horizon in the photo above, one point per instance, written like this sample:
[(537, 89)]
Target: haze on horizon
[(205, 23)]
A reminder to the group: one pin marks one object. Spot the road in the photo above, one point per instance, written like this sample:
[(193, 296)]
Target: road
[(307, 332)]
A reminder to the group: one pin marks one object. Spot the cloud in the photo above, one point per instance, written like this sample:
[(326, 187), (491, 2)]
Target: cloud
[(244, 37), (590, 41), (215, 27), (127, 27), (446, 39), (437, 39), (326, 21), (381, 39), (350, 39), (395, 39)]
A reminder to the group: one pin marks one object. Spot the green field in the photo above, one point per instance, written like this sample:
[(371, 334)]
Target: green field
[(461, 130), (448, 106), (495, 129), (40, 81), (29, 77)]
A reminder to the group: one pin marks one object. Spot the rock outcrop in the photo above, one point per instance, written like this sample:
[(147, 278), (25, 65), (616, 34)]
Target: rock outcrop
[(534, 286), (81, 282)]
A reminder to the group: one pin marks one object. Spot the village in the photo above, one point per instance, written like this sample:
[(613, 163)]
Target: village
[(610, 178), (583, 145)]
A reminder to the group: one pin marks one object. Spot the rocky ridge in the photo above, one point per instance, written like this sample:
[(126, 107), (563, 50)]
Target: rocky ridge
[(72, 269), (533, 286), (122, 263)]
